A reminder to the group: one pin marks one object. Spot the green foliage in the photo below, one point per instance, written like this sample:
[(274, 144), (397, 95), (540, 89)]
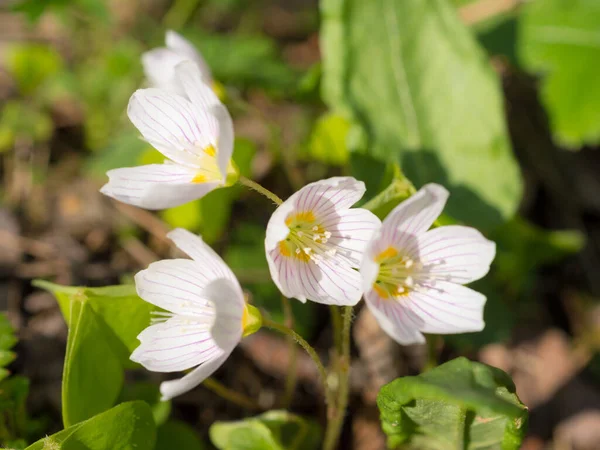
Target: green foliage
[(244, 60), (422, 93), (560, 40), (327, 142), (127, 426), (399, 190), (149, 393), (177, 435), (7, 341), (273, 430), (523, 247), (19, 120), (103, 325), (30, 65), (460, 405)]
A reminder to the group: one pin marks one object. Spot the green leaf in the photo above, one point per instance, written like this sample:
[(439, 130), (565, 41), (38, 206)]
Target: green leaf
[(32, 64), (421, 92), (86, 390), (244, 60), (150, 393), (560, 40), (273, 430), (177, 435), (127, 426), (458, 405), (523, 247), (103, 326), (327, 142)]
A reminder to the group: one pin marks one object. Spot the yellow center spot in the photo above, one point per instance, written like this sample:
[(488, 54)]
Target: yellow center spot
[(209, 170), (307, 238), (396, 277)]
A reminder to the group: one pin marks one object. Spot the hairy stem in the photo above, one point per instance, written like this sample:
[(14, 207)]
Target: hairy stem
[(261, 190), (336, 421), (234, 397)]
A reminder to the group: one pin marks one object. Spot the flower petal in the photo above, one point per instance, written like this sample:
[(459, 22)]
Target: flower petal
[(208, 262), (170, 389), (351, 230), (183, 47), (229, 304), (416, 214), (448, 308), (327, 196), (172, 125), (400, 323), (155, 186), (159, 68), (177, 285), (456, 253), (277, 230), (212, 113), (177, 344)]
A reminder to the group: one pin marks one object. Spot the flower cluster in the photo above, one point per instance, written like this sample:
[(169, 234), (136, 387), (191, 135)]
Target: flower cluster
[(318, 247)]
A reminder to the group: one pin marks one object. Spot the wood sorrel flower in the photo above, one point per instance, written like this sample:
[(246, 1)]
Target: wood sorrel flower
[(159, 63), (207, 315), (315, 241), (195, 134), (413, 277)]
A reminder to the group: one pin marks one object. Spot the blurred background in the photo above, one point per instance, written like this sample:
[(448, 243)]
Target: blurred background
[(67, 70)]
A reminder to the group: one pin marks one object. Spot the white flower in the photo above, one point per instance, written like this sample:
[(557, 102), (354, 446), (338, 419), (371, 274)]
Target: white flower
[(159, 63), (314, 242), (207, 314), (413, 277), (195, 134)]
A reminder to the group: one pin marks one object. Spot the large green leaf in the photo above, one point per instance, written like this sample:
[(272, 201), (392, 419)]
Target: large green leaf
[(422, 92), (560, 39), (127, 426), (103, 326), (177, 435), (460, 405), (273, 430)]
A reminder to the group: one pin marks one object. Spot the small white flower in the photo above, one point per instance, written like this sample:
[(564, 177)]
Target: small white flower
[(159, 63), (207, 314), (413, 277), (195, 133), (314, 242)]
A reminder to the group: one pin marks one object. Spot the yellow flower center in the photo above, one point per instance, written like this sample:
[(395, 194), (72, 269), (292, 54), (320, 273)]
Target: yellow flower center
[(209, 169), (307, 238), (396, 272)]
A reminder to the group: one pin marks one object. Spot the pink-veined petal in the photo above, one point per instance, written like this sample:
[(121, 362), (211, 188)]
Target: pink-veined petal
[(228, 301), (448, 308), (177, 285), (208, 261), (173, 388), (277, 230), (400, 323), (172, 125), (351, 231), (455, 253), (176, 344), (335, 282), (284, 274), (212, 113), (183, 47), (416, 214), (328, 196), (155, 186)]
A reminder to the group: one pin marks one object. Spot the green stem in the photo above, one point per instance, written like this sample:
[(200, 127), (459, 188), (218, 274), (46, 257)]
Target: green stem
[(292, 374), (261, 190), (334, 426), (234, 397), (306, 346), (336, 322)]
